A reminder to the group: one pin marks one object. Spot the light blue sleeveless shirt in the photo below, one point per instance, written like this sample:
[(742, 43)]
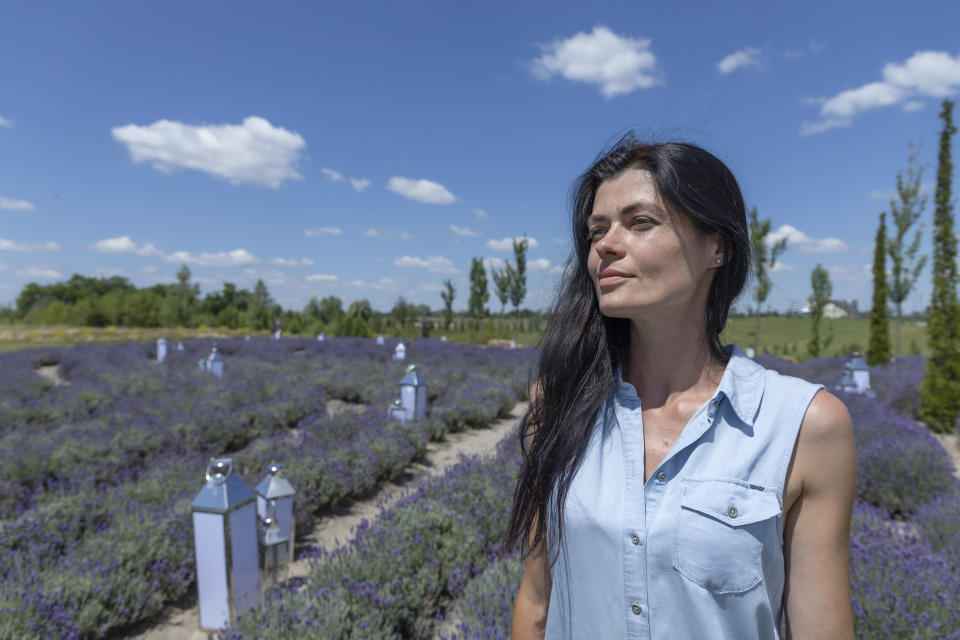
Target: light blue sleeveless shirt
[(696, 552)]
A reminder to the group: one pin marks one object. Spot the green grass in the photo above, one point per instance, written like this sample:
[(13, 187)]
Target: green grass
[(787, 336)]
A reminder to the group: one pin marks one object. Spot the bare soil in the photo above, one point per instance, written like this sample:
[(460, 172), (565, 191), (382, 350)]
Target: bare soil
[(181, 621), (951, 442)]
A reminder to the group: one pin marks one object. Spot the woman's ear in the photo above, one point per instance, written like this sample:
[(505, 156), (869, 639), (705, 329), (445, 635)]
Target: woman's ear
[(719, 254)]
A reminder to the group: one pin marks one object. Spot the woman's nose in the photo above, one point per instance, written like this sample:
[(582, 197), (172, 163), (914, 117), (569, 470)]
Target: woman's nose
[(610, 243)]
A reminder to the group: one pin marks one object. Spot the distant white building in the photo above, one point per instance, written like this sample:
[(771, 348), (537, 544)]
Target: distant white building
[(831, 310)]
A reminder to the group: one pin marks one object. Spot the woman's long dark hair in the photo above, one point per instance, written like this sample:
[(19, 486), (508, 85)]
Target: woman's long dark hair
[(581, 349)]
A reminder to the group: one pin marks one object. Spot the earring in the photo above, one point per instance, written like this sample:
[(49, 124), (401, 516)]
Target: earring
[(718, 260)]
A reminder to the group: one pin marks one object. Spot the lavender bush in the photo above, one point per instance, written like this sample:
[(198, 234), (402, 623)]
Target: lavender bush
[(97, 475), (485, 609)]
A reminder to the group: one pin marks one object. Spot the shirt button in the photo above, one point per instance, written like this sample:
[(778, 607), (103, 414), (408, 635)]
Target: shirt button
[(637, 609), (732, 511), (635, 539), (662, 476)]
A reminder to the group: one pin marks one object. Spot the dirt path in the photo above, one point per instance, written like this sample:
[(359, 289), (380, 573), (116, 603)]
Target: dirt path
[(180, 622), (951, 442), (51, 373)]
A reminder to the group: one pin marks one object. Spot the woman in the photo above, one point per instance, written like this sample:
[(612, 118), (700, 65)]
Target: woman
[(688, 493)]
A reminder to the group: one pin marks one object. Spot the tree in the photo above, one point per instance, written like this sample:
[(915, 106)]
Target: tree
[(402, 312), (360, 309), (447, 294), (940, 389), (905, 210), (181, 300), (503, 282), (518, 288), (478, 289), (331, 309), (764, 259), (822, 290), (259, 307), (878, 351)]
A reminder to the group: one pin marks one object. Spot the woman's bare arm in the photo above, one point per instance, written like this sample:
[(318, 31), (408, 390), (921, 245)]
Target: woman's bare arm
[(817, 526)]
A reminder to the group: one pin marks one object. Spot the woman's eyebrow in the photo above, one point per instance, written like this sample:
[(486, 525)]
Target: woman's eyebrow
[(641, 205)]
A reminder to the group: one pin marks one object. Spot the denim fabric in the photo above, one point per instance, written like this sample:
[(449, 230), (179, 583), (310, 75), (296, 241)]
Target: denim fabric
[(696, 552)]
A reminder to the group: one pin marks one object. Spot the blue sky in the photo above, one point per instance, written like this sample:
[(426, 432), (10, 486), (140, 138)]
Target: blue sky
[(370, 149)]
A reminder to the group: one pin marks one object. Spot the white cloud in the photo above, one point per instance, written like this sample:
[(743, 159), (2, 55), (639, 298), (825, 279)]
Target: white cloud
[(292, 262), (254, 152), (783, 267), (926, 73), (494, 263), (27, 247), (40, 273), (465, 231), (885, 195), (914, 105), (617, 64), (323, 231), (506, 244), (109, 272), (480, 213), (16, 205), (377, 232), (421, 190), (852, 273), (359, 184), (433, 264), (4, 122), (749, 57), (803, 243), (331, 175), (322, 277), (404, 235), (124, 244), (540, 264), (237, 257), (381, 284)]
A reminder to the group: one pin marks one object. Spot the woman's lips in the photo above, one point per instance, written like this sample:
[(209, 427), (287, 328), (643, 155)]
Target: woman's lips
[(610, 277)]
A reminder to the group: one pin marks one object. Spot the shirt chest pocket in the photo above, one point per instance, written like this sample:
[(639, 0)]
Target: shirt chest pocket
[(719, 533)]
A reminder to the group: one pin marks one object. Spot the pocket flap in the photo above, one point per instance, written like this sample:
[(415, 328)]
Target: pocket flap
[(733, 502)]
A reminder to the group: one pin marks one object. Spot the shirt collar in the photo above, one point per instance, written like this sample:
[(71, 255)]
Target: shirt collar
[(742, 385)]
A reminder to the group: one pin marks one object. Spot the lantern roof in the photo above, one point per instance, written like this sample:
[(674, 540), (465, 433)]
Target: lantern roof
[(274, 485), (223, 491), (413, 377), (858, 364)]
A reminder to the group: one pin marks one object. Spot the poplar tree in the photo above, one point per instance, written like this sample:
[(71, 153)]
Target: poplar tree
[(764, 259), (878, 351), (940, 390), (447, 294), (518, 289), (478, 289), (822, 290), (905, 210)]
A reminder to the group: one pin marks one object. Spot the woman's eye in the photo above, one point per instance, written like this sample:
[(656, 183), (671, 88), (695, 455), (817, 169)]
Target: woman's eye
[(642, 222), (594, 234)]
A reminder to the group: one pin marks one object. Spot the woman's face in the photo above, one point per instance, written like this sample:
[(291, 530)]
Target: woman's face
[(646, 257)]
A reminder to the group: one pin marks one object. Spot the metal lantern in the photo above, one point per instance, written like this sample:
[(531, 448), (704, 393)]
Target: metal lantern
[(380, 340), (396, 411), (860, 372), (275, 545), (179, 346), (161, 349), (275, 500), (246, 339), (443, 338), (413, 394), (202, 364), (277, 334), (513, 344), (321, 337), (226, 547), (400, 353), (215, 363)]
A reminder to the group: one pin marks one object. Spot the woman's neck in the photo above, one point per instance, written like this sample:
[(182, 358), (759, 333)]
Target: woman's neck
[(668, 359)]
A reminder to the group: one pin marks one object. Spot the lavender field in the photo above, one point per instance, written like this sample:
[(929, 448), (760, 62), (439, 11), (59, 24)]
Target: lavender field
[(97, 472)]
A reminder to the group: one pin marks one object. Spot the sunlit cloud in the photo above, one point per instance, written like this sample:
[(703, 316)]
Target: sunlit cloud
[(617, 64), (27, 247), (465, 231), (421, 190), (506, 244), (323, 231), (799, 241), (16, 205), (254, 152), (433, 264), (744, 58)]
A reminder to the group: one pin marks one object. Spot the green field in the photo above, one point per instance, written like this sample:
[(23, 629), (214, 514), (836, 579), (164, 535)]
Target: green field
[(784, 336), (787, 336)]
